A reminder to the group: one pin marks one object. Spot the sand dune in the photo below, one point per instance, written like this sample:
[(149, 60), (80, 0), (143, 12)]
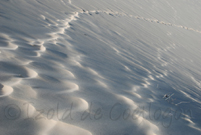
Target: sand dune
[(72, 67)]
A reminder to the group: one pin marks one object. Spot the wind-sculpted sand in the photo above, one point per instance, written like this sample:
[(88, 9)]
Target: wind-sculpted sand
[(72, 69)]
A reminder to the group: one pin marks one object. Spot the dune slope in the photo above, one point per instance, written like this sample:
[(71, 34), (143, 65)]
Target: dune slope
[(72, 67)]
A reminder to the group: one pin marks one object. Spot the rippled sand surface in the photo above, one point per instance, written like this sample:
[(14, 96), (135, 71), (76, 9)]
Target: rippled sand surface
[(89, 67)]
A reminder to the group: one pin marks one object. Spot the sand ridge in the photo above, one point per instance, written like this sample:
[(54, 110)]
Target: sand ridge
[(82, 62)]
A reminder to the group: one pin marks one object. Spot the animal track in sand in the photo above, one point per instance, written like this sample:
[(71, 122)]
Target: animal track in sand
[(40, 46), (63, 25), (116, 13)]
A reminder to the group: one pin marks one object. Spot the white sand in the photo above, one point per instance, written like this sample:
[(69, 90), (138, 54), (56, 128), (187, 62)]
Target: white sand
[(89, 67)]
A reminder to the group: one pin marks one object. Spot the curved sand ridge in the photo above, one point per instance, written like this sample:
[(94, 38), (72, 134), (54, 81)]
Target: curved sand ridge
[(53, 126), (66, 24), (6, 42), (144, 125), (49, 127), (38, 46), (152, 128), (17, 70), (45, 76), (26, 114), (5, 90), (12, 74)]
